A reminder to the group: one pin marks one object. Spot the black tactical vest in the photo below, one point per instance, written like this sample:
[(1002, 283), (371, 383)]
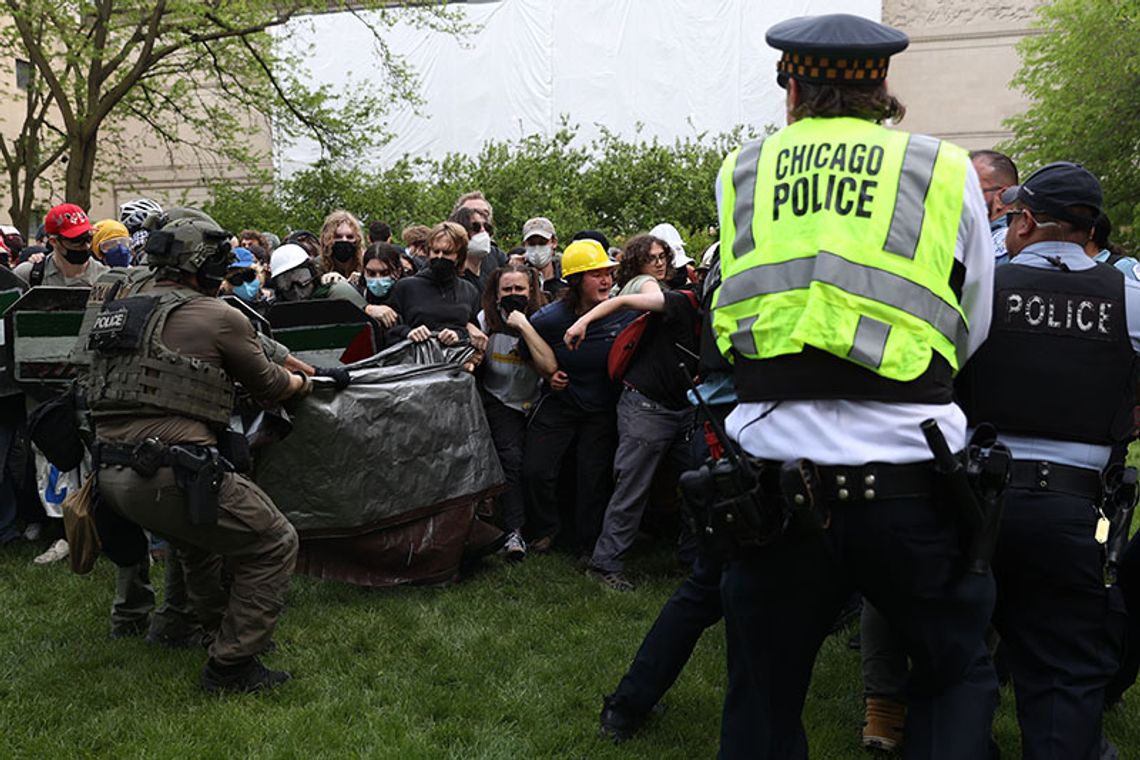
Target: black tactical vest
[(1058, 362)]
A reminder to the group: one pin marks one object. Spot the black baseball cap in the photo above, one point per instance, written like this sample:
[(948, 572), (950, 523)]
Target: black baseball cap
[(1056, 188), (296, 235)]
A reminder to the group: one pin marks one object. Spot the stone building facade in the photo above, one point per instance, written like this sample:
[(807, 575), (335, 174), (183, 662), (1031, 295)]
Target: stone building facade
[(954, 77)]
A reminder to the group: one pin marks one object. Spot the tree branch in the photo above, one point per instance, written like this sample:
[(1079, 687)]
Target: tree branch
[(42, 64)]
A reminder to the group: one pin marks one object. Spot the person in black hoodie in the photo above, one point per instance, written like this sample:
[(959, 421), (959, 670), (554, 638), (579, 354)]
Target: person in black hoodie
[(436, 301)]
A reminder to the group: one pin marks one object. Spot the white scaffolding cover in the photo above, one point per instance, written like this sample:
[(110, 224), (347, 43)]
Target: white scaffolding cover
[(676, 67)]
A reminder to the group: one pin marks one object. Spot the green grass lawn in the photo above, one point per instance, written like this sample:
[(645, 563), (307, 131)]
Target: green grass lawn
[(511, 663)]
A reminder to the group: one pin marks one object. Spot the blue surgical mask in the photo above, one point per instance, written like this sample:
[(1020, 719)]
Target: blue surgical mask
[(379, 286), (248, 291)]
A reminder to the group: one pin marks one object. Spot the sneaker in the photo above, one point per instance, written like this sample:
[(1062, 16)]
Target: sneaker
[(33, 531), (244, 678), (617, 725), (483, 540), (613, 580), (57, 551), (515, 547), (542, 545), (883, 724)]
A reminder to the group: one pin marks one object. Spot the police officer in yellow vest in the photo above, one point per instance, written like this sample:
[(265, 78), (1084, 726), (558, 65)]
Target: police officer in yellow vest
[(164, 355), (857, 270)]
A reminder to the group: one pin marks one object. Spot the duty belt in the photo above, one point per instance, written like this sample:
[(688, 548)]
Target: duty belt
[(145, 457), (867, 482), (1057, 478), (198, 470)]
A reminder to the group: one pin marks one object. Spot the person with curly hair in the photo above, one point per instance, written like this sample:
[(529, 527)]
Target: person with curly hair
[(646, 263), (340, 259)]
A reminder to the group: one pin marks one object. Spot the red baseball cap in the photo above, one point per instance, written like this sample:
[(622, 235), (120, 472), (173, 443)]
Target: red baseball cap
[(67, 220)]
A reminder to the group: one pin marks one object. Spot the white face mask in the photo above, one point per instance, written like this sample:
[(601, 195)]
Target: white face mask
[(539, 255), (479, 246)]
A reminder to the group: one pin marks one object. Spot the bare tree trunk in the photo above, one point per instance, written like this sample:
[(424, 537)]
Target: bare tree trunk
[(80, 168)]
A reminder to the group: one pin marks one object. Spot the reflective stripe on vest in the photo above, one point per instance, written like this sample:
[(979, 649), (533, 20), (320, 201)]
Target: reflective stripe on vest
[(840, 234)]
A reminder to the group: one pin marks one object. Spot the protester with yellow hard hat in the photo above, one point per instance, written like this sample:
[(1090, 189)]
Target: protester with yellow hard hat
[(585, 410)]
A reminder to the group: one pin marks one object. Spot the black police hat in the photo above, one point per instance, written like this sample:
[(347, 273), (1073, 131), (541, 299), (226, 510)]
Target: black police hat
[(834, 49), (1055, 188)]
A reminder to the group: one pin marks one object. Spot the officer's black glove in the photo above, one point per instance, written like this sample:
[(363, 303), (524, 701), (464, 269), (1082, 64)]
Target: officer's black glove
[(339, 376)]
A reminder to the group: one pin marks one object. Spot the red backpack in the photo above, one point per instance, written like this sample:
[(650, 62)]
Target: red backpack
[(626, 343)]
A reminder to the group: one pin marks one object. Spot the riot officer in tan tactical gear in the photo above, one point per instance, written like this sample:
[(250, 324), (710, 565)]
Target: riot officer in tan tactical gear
[(164, 355)]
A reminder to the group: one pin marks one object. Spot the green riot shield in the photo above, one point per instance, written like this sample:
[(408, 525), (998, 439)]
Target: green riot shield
[(41, 329), (322, 331), (11, 288)]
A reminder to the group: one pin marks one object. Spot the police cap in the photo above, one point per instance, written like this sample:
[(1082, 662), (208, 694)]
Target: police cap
[(836, 49), (1055, 189)]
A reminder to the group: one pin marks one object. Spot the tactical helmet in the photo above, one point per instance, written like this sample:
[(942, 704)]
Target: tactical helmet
[(185, 244), (186, 212), (133, 213)]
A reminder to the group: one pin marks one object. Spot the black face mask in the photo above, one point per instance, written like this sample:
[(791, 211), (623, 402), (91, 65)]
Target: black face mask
[(77, 257), (442, 270), (507, 304), (343, 251), (680, 279)]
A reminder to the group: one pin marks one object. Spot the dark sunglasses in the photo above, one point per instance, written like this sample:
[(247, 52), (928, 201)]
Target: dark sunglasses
[(1011, 215), (482, 227), (81, 241), (241, 276)]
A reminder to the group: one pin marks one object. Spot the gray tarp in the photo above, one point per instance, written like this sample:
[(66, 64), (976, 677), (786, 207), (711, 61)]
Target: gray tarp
[(406, 439)]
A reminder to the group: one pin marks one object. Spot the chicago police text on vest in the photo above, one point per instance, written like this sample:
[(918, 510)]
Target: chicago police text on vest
[(824, 182)]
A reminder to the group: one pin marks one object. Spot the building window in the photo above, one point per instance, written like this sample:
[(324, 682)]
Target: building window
[(24, 72)]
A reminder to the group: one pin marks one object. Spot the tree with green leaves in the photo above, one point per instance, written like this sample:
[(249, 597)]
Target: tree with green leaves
[(200, 74), (1082, 76)]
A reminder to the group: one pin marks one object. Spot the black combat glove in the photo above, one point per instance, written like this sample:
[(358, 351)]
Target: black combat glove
[(339, 376)]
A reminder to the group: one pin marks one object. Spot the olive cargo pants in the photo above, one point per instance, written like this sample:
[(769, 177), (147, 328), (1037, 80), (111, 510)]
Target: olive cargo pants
[(251, 533)]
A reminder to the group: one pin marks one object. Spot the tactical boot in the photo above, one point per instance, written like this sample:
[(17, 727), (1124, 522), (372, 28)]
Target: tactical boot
[(177, 637), (883, 724), (243, 678), (130, 629)]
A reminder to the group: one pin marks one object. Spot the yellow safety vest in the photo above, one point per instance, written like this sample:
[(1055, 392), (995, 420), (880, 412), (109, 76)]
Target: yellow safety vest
[(839, 234)]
